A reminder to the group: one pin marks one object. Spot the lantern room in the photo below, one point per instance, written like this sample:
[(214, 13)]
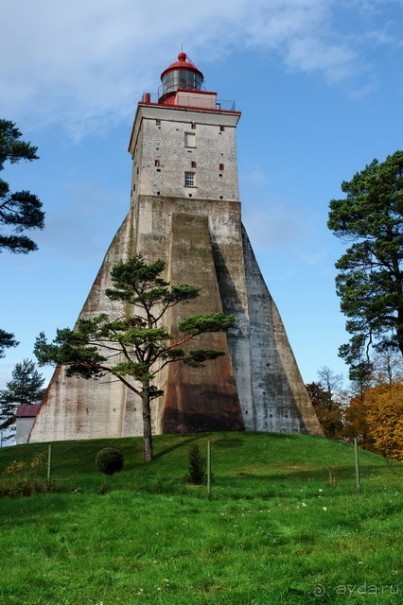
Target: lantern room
[(182, 85), (181, 75)]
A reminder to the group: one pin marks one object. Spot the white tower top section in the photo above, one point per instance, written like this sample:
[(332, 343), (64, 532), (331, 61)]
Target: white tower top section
[(184, 145)]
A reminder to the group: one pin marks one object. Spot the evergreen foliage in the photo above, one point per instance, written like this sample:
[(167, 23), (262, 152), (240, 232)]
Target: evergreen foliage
[(109, 461), (197, 466), (7, 340), (135, 346), (370, 279), (25, 388), (20, 211)]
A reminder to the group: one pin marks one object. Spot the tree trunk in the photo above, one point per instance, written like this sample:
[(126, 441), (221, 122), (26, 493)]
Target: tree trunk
[(400, 329), (147, 433)]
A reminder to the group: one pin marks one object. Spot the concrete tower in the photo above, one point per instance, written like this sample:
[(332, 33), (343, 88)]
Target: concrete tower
[(185, 209)]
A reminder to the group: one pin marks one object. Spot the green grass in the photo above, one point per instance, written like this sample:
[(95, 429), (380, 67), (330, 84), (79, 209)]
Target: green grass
[(285, 517)]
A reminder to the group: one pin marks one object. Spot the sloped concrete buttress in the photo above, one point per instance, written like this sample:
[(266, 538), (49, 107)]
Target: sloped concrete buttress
[(256, 385), (199, 399)]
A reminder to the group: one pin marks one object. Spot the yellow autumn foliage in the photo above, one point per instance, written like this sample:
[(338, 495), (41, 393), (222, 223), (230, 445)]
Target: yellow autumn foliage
[(377, 417)]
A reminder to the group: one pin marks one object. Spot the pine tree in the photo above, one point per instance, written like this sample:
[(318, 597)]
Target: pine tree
[(135, 347), (25, 388), (20, 211), (370, 278)]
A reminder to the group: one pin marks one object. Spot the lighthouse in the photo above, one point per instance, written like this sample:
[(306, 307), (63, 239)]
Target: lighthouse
[(185, 209)]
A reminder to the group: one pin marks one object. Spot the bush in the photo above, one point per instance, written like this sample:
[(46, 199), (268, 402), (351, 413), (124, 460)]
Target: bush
[(24, 486), (197, 466), (109, 460), (22, 478)]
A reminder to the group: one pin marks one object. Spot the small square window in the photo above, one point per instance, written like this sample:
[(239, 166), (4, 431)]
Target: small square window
[(189, 179), (222, 128), (193, 125), (190, 139), (193, 164)]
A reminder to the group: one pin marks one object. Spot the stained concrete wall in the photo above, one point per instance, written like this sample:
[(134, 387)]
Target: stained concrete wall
[(23, 427), (256, 385), (198, 399)]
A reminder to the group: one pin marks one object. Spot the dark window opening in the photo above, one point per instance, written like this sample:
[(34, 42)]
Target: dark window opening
[(189, 179)]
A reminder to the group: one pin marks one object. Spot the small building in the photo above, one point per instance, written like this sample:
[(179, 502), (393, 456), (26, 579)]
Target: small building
[(24, 420)]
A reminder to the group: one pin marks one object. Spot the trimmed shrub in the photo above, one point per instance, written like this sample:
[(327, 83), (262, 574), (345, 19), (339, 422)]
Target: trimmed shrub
[(109, 460), (197, 466)]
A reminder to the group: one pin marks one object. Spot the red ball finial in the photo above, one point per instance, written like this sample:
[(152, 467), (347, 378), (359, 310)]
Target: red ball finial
[(182, 56)]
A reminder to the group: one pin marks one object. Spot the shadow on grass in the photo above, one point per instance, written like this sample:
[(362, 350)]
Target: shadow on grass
[(313, 475), (177, 446), (223, 443)]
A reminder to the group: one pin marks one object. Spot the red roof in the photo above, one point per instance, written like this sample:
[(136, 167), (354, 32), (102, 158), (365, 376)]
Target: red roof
[(182, 63), (26, 411)]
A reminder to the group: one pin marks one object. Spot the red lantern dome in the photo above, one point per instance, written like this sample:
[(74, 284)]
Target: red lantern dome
[(181, 75)]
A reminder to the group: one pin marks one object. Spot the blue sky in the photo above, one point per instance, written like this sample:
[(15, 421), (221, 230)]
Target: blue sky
[(320, 87)]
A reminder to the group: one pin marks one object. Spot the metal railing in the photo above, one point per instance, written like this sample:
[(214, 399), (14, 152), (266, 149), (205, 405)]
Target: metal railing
[(221, 104)]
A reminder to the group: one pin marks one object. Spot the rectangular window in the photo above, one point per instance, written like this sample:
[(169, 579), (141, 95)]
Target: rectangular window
[(222, 128), (189, 179), (156, 162), (158, 122), (193, 164), (190, 139), (221, 166), (193, 125)]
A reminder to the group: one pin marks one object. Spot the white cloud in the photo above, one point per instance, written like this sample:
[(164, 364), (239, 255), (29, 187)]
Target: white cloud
[(85, 63)]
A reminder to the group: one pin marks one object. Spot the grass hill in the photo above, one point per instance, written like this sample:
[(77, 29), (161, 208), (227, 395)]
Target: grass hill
[(285, 524)]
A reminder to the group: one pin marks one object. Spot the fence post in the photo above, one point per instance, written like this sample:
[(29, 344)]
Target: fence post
[(357, 464), (209, 469), (49, 463)]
